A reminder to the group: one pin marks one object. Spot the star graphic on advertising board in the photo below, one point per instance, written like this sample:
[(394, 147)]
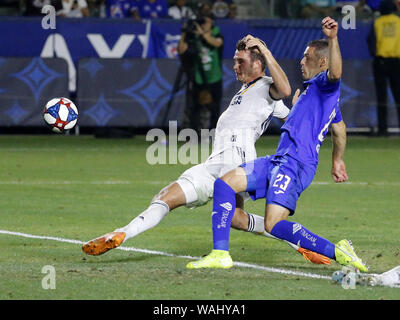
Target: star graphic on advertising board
[(151, 92), (37, 76), (16, 113), (101, 112)]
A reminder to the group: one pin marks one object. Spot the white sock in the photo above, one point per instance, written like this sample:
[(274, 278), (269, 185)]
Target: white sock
[(256, 225), (148, 219)]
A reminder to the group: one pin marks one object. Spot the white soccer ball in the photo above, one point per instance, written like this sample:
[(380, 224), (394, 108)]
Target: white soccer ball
[(60, 114)]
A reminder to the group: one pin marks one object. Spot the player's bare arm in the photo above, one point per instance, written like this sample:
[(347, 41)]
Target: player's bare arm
[(330, 30), (339, 138), (281, 87)]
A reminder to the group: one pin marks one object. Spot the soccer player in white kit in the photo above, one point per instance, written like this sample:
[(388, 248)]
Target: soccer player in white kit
[(237, 131)]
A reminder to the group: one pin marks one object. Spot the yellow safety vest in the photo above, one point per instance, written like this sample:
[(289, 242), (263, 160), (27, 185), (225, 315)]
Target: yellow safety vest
[(387, 32)]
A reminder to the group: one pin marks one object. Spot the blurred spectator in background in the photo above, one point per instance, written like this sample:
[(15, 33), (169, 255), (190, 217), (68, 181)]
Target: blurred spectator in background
[(201, 46), (232, 11), (74, 9), (355, 3), (318, 8), (151, 9), (97, 8), (204, 10), (10, 7), (370, 5), (362, 11), (181, 11), (120, 9), (220, 9), (384, 46), (34, 7)]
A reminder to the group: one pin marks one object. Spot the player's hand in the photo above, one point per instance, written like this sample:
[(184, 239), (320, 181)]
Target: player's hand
[(295, 97), (329, 27), (248, 37), (339, 173), (252, 42)]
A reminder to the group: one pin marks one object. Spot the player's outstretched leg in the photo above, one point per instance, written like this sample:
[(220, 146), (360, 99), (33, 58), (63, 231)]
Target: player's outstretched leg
[(312, 256), (256, 225), (149, 218), (345, 255), (104, 243), (217, 259), (167, 199), (224, 205), (342, 252)]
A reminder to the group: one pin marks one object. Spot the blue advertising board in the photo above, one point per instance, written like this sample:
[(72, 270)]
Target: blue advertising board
[(91, 50)]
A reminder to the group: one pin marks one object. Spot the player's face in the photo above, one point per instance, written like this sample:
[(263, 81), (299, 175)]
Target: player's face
[(309, 64), (243, 66)]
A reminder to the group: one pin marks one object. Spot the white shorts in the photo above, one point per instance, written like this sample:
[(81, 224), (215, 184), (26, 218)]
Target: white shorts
[(203, 175)]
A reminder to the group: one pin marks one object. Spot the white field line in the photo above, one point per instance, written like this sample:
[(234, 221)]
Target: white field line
[(161, 253)]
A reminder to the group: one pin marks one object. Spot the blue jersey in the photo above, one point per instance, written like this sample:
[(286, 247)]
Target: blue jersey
[(374, 4), (308, 121), (153, 10), (120, 8)]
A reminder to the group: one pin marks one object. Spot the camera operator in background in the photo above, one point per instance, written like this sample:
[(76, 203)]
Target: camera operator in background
[(200, 49)]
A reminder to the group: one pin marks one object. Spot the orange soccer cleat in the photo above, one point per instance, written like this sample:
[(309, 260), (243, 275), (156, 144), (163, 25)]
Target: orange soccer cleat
[(104, 243), (313, 256)]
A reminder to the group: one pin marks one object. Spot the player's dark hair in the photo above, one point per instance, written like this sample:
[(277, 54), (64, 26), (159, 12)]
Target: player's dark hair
[(255, 54), (321, 47)]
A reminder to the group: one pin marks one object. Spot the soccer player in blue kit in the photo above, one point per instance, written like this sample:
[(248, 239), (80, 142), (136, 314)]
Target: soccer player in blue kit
[(282, 177)]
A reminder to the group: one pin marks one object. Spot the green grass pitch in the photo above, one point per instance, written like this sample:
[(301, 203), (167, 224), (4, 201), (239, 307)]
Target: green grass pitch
[(79, 187)]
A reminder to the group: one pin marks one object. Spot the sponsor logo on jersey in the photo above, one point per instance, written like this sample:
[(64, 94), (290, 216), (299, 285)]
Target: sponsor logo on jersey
[(236, 100)]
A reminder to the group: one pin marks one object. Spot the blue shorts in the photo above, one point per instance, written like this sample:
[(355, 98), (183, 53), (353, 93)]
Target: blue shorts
[(279, 179)]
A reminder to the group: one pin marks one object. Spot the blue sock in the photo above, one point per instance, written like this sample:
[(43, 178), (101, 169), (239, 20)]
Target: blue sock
[(297, 234), (224, 205)]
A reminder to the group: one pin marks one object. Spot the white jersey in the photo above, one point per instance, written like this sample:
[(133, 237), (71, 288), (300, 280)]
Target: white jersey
[(248, 116), (238, 129)]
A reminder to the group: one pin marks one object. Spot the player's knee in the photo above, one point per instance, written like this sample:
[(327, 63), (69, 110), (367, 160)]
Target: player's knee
[(274, 213), (236, 179), (272, 220), (172, 195), (161, 194), (227, 178), (269, 225)]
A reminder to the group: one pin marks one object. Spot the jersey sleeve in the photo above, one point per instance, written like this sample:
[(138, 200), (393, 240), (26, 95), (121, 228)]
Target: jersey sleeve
[(280, 110), (324, 84), (338, 117), (267, 84)]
